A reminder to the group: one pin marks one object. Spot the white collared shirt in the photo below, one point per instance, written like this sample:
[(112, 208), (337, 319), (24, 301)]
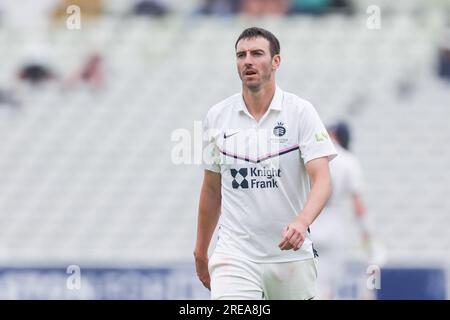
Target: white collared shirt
[(262, 165)]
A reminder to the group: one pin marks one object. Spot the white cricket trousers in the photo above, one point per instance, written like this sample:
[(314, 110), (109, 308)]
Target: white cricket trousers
[(235, 278)]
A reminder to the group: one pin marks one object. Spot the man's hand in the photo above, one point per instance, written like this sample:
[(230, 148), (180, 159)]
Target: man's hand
[(319, 173), (201, 266), (294, 235)]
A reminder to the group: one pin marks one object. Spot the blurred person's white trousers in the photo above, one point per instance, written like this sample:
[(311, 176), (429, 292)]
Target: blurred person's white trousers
[(235, 278), (329, 237)]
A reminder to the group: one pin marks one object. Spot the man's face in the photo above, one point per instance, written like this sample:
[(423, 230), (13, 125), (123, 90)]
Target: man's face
[(255, 65)]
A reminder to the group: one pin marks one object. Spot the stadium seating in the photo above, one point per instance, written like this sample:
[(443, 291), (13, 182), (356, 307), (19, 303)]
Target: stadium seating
[(86, 176)]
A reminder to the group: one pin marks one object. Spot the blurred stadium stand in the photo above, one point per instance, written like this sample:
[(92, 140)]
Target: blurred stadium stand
[(86, 175)]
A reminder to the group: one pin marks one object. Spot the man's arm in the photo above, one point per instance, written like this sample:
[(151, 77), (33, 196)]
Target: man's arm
[(319, 173), (208, 216), (361, 219), (358, 205)]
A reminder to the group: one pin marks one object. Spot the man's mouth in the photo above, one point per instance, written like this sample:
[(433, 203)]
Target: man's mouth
[(250, 72)]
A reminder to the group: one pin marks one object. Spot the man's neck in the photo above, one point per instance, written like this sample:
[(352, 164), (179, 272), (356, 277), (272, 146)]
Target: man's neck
[(258, 102)]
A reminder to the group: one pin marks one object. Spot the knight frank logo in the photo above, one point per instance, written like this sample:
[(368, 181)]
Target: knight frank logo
[(239, 178), (259, 178)]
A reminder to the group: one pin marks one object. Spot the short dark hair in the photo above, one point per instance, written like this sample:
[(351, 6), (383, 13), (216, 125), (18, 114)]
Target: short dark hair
[(342, 132), (255, 32)]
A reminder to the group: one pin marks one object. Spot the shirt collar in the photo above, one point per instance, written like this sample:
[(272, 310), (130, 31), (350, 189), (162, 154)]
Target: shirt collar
[(275, 104)]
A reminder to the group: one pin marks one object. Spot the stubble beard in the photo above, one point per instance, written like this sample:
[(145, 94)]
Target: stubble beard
[(255, 87)]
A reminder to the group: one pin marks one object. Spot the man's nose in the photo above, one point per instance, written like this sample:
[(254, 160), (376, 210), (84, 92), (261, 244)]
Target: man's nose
[(248, 60)]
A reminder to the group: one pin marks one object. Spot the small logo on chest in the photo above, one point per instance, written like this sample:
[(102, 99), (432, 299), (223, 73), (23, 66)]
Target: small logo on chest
[(279, 130)]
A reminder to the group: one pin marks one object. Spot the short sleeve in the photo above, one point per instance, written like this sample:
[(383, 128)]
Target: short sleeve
[(211, 153), (314, 140)]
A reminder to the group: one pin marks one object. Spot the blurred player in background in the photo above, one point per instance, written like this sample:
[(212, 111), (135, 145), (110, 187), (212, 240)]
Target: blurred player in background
[(330, 231), (266, 201)]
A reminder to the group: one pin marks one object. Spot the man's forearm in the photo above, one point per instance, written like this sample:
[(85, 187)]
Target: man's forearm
[(208, 216), (317, 199)]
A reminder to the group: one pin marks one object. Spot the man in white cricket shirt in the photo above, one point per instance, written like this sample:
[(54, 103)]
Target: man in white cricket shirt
[(333, 223), (266, 177)]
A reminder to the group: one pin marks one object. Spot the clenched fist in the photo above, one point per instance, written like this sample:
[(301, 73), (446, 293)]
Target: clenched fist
[(293, 235)]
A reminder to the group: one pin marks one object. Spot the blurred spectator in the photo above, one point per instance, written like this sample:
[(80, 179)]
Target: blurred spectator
[(320, 6), (310, 6), (220, 7), (330, 232), (36, 63), (91, 73), (263, 7), (151, 8), (35, 73), (444, 58), (345, 6), (444, 63)]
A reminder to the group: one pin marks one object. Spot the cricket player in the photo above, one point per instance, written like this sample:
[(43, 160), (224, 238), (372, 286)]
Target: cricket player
[(266, 179), (331, 229)]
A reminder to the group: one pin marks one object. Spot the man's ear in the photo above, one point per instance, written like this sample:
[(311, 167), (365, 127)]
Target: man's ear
[(276, 61)]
